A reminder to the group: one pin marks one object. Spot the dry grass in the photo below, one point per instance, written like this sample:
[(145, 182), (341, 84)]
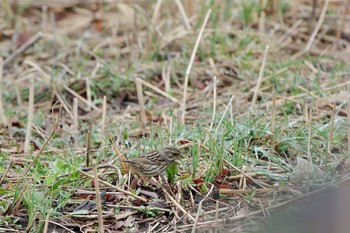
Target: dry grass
[(231, 84)]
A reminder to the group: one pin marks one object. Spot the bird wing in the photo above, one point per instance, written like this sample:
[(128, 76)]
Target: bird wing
[(143, 160)]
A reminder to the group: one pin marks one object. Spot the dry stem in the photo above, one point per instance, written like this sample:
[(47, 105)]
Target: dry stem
[(23, 48), (187, 74), (330, 135), (113, 186), (159, 91), (318, 26), (342, 21), (98, 199), (197, 217), (308, 153), (183, 15), (348, 118), (214, 111), (216, 216), (30, 117), (141, 101), (75, 122), (88, 143), (223, 115), (104, 110), (178, 205), (155, 16), (261, 75), (3, 119), (273, 116), (88, 93)]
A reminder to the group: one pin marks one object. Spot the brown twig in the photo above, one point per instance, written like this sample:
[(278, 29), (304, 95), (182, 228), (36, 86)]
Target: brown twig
[(81, 98), (64, 104), (244, 191), (46, 225), (216, 216), (98, 199), (23, 48), (242, 172), (197, 217), (177, 204), (288, 32), (156, 89), (5, 172), (60, 225)]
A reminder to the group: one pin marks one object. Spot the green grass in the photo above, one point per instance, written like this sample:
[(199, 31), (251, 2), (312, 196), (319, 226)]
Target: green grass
[(244, 138)]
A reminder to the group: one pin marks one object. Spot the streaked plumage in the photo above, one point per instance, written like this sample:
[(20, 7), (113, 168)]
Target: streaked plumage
[(154, 163)]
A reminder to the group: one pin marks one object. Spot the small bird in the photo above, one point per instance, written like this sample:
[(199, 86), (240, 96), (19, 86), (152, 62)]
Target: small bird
[(154, 163)]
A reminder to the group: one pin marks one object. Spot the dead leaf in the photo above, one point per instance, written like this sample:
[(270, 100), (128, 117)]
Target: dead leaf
[(89, 205), (198, 181), (184, 141), (116, 226), (150, 194), (22, 38), (225, 172), (159, 204), (302, 171), (98, 25), (129, 222), (124, 18), (73, 24), (243, 211), (123, 215), (335, 98), (223, 186), (199, 84), (151, 117)]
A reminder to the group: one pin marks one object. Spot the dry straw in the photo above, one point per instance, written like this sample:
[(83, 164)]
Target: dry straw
[(260, 78), (30, 117), (98, 200), (75, 122), (3, 119), (187, 74)]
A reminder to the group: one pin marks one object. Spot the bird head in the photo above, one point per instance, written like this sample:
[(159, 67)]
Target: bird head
[(173, 153)]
